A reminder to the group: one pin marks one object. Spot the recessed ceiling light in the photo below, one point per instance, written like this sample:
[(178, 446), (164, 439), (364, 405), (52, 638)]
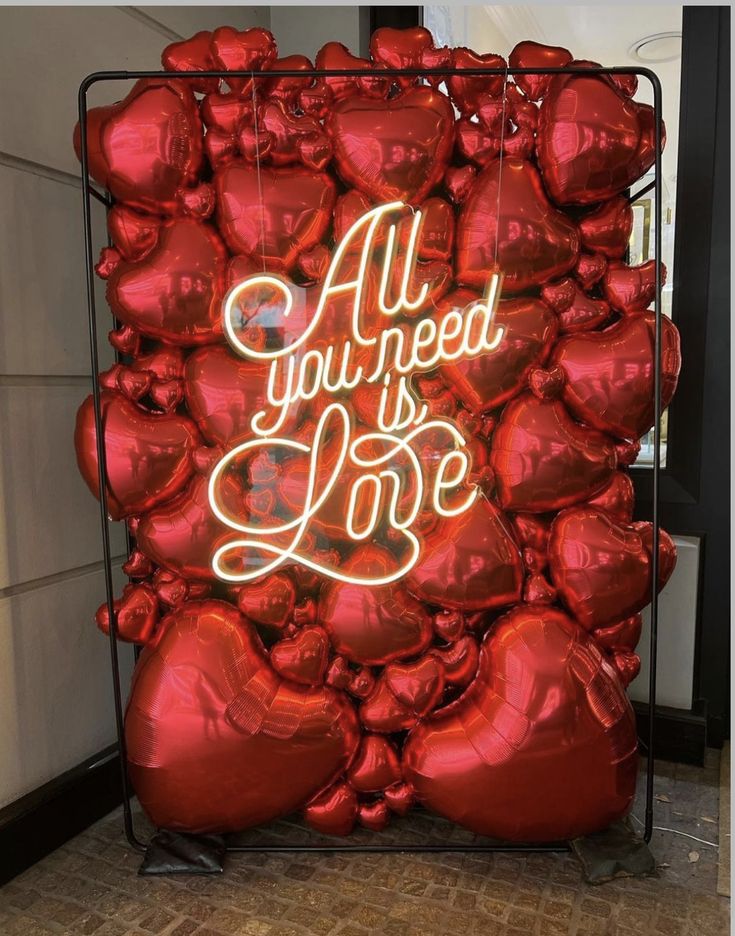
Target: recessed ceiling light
[(659, 48)]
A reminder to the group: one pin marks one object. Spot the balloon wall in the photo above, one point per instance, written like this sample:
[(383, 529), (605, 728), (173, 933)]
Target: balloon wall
[(383, 369)]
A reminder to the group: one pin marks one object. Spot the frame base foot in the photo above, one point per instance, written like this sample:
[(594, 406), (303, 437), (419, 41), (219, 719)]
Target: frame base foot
[(179, 853), (612, 853)]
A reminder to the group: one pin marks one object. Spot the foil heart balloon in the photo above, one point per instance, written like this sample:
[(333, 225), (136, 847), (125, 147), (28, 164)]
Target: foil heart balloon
[(617, 499), (401, 48), (333, 812), (393, 150), (216, 740), (576, 310), (417, 685), (334, 56), (593, 141), (459, 660), (536, 55), (302, 658), (622, 636), (183, 535), (269, 601), (134, 234), (175, 293), (250, 50), (194, 54), (470, 562), (517, 231), (609, 374), (223, 392), (590, 269), (486, 381), (468, 91), (383, 712), (373, 625), (607, 229), (273, 215), (602, 569), (146, 147), (287, 89), (543, 460), (136, 614), (545, 725), (631, 289), (148, 457), (375, 767)]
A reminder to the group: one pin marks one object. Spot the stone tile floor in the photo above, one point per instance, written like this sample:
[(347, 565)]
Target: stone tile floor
[(91, 886)]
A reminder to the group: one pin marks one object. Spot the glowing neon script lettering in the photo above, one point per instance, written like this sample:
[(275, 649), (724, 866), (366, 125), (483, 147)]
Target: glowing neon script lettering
[(373, 484)]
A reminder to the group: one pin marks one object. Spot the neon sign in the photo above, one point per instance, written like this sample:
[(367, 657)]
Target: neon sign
[(357, 336)]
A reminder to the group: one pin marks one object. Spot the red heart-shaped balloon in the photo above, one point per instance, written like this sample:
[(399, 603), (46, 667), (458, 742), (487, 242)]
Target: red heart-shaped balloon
[(607, 229), (145, 148), (373, 625), (133, 234), (250, 50), (590, 269), (401, 48), (601, 568), (302, 658), (631, 289), (164, 363), (383, 712), (193, 54), (609, 374), (418, 685), (148, 457), (333, 812), (459, 660), (393, 150), (468, 92), (286, 131), (269, 601), (287, 89), (136, 614), (183, 535), (469, 562), (592, 141), (175, 293), (622, 636), (216, 741), (545, 726), (543, 460), (273, 215), (458, 181), (617, 499), (577, 311), (519, 233), (334, 56), (223, 392), (376, 765), (486, 381), (530, 54), (225, 112)]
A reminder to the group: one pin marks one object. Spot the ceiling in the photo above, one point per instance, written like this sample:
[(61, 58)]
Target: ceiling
[(601, 33)]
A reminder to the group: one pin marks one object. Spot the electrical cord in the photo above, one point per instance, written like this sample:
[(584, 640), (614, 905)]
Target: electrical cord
[(677, 832)]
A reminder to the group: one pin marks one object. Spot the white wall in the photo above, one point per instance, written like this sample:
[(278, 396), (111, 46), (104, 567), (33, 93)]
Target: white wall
[(55, 689), (304, 30)]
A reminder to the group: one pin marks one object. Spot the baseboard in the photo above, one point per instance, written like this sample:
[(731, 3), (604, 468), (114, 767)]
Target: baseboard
[(44, 819), (680, 736)]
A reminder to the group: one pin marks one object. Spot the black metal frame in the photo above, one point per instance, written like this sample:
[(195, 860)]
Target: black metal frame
[(89, 191)]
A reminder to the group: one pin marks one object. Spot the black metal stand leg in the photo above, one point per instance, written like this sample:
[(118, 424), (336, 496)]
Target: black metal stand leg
[(179, 853), (615, 852)]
